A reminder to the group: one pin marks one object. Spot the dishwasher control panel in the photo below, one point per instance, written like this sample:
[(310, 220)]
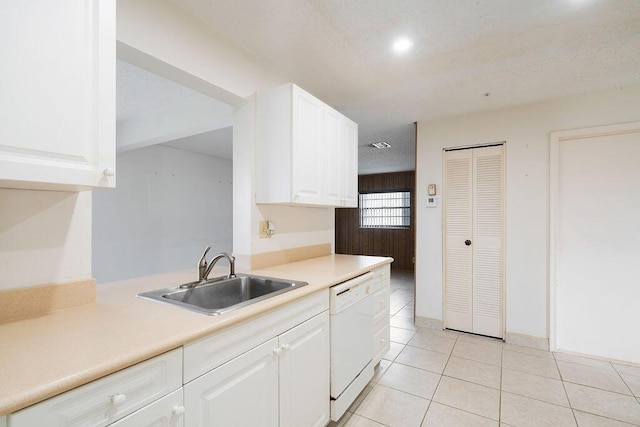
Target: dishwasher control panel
[(350, 292)]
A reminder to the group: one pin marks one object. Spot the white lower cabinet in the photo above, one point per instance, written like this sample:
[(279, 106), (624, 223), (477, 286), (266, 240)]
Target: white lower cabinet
[(166, 412), (271, 370), (242, 392), (304, 374), (284, 381), (381, 327)]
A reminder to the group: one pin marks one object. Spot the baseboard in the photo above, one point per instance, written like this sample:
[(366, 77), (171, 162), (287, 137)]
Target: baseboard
[(527, 341), (270, 259), (427, 322), (35, 301)]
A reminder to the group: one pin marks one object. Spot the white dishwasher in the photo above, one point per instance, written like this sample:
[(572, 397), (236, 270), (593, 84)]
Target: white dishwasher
[(352, 311)]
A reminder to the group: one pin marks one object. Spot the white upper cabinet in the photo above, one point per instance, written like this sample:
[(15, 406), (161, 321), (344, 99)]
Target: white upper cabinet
[(349, 163), (333, 126), (306, 152), (57, 94)]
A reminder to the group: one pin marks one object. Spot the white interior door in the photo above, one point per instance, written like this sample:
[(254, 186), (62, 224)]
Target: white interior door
[(598, 245), (474, 227), (458, 290), (487, 246)]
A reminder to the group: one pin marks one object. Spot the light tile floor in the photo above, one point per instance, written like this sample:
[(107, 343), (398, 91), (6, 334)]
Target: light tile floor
[(444, 378)]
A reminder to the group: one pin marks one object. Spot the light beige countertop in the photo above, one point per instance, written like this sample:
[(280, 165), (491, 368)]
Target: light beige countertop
[(48, 355)]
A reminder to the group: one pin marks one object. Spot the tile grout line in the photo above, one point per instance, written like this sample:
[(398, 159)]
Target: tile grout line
[(593, 386), (564, 387), (622, 378)]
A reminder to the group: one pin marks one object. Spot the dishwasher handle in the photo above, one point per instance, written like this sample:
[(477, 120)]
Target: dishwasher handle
[(345, 286)]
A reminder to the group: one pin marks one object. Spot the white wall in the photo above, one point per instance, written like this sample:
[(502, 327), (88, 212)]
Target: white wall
[(169, 205), (526, 132), (45, 237), (197, 55)]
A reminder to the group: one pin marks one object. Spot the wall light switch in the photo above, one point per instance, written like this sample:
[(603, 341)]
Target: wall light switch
[(431, 189)]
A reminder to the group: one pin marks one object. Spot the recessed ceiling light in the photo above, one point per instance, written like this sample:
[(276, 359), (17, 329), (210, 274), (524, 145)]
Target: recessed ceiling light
[(381, 144), (402, 45)]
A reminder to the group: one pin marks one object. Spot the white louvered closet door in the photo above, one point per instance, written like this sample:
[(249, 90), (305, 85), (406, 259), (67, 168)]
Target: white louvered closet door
[(474, 224), (458, 264)]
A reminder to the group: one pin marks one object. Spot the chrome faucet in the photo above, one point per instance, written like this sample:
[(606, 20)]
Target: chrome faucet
[(204, 269), (232, 267), (202, 265)]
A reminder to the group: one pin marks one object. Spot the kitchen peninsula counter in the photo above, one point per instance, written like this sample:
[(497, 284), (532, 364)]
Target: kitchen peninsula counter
[(45, 356)]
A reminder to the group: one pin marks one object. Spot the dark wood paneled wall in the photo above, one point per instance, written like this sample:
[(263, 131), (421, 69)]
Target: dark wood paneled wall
[(396, 243)]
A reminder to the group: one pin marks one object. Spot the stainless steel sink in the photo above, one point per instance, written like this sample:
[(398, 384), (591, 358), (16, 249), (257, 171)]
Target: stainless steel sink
[(220, 295)]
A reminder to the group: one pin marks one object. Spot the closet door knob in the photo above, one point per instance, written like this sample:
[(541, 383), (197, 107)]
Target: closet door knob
[(467, 242)]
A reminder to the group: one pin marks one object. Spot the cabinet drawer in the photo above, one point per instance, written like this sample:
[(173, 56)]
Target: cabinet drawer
[(208, 353), (381, 343), (381, 304), (168, 411), (108, 399)]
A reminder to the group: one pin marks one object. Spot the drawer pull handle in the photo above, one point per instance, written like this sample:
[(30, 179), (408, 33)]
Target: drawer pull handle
[(118, 399), (178, 410), (286, 347)]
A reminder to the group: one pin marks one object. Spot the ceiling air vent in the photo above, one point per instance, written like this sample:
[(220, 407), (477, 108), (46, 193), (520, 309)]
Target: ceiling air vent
[(381, 144)]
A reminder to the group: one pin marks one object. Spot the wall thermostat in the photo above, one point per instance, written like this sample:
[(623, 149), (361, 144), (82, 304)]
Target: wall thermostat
[(431, 189), (432, 201)]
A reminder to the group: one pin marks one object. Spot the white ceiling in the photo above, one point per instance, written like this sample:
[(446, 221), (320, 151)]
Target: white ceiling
[(517, 51)]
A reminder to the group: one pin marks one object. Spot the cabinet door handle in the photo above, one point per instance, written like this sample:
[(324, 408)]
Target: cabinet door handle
[(286, 347), (178, 410), (277, 350), (118, 399), (108, 172)]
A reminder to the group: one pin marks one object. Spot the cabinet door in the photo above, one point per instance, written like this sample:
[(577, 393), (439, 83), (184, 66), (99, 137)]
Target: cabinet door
[(333, 130), (242, 392), (307, 158), (166, 412), (57, 108), (304, 374), (349, 164)]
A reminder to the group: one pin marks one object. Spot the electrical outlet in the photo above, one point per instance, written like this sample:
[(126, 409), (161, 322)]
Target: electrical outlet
[(263, 232)]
